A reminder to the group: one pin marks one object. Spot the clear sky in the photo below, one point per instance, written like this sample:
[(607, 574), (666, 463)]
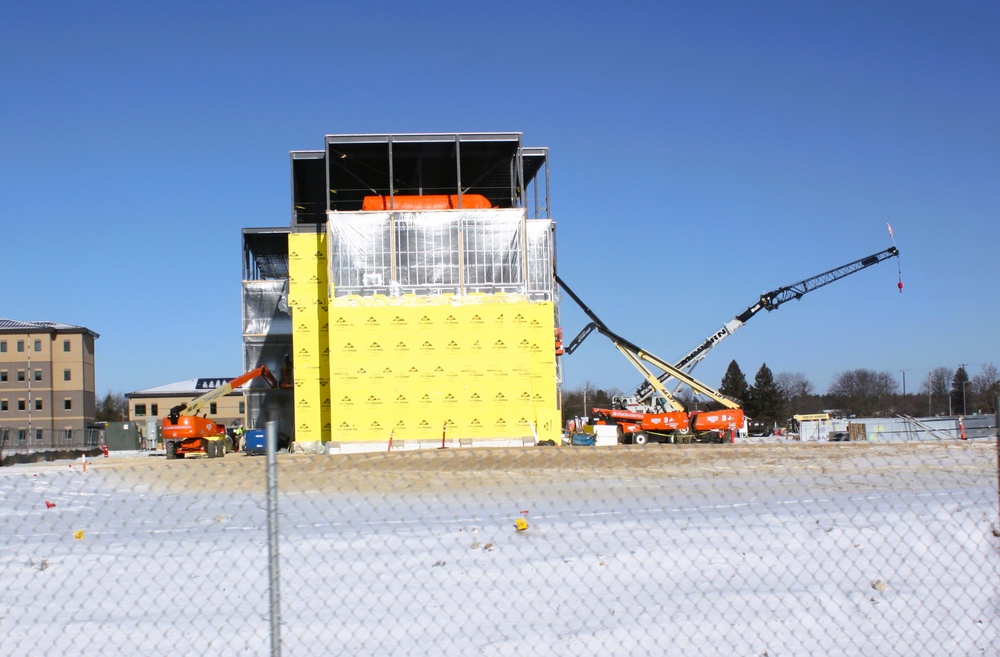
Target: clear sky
[(700, 153)]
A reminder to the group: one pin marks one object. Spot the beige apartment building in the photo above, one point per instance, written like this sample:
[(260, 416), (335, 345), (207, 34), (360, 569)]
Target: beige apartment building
[(47, 390)]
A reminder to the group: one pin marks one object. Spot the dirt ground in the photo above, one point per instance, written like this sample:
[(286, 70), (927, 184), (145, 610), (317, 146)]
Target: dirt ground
[(465, 468)]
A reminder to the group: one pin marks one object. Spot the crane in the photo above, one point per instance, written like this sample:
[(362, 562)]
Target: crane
[(768, 301)]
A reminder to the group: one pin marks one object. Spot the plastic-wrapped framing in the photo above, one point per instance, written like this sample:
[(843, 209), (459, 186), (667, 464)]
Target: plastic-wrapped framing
[(265, 308), (457, 252)]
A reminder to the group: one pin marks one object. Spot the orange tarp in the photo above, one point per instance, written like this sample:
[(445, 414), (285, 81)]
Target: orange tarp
[(428, 202)]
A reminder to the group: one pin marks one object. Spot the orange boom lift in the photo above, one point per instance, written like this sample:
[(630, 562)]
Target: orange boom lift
[(187, 432)]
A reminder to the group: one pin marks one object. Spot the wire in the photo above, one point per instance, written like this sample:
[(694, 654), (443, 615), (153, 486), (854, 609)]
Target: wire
[(899, 264)]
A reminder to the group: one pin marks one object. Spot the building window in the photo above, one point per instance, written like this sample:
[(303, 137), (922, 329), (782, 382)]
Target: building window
[(38, 434), (38, 404), (66, 375), (154, 409), (243, 408), (21, 406), (3, 375), (38, 375), (3, 405), (21, 434), (38, 346), (213, 409), (140, 410), (68, 404), (20, 346), (65, 345), (69, 435), (20, 375), (3, 346)]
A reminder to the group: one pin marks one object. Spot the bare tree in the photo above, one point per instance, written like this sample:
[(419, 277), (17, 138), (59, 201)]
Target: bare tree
[(937, 387), (793, 385), (112, 408), (986, 387), (864, 392)]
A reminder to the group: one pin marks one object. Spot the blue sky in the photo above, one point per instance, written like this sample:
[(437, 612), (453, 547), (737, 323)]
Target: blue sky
[(700, 153)]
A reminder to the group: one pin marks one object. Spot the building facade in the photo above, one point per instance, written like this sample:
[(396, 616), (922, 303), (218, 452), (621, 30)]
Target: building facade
[(412, 295), (47, 389)]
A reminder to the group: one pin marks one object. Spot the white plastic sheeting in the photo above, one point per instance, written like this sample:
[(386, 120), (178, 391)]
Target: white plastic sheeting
[(437, 252)]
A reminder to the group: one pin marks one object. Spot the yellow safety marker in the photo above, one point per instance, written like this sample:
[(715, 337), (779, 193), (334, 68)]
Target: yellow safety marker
[(78, 535), (521, 524)]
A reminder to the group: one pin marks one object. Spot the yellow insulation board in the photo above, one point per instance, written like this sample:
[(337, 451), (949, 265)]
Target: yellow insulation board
[(307, 295), (485, 365)]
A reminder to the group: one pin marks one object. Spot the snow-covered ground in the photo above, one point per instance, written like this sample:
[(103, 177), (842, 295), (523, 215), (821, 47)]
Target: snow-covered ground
[(886, 559)]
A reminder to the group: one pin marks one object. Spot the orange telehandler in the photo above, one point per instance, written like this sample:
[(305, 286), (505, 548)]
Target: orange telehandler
[(187, 432)]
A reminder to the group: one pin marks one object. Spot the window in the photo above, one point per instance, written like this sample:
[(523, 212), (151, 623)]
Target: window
[(21, 434), (65, 345), (140, 410), (20, 375), (21, 406), (20, 346), (68, 404), (38, 346), (66, 375), (3, 375), (3, 405), (38, 375), (38, 404), (69, 435), (38, 434), (154, 409), (3, 346), (213, 409), (243, 408)]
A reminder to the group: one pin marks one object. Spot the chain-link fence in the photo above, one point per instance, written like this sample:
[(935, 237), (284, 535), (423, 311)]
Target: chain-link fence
[(26, 440), (736, 549)]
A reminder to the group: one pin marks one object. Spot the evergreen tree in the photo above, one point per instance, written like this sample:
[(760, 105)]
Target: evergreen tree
[(764, 401), (734, 384), (959, 391)]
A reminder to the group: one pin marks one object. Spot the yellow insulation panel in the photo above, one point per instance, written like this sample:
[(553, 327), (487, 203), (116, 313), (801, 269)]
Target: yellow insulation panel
[(307, 294), (485, 365)]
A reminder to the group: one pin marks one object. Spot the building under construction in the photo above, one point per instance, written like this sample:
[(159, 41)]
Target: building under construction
[(411, 297)]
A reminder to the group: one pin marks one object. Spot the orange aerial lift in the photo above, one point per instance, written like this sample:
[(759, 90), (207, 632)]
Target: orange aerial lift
[(670, 422), (187, 432)]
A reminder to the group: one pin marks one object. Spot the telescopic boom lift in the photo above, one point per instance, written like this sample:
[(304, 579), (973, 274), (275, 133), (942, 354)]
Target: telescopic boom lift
[(768, 301)]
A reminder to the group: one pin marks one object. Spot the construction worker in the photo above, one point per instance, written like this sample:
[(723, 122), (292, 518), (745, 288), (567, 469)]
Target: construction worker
[(240, 443)]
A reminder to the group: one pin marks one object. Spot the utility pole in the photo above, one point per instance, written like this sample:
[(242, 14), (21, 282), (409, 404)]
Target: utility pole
[(904, 382)]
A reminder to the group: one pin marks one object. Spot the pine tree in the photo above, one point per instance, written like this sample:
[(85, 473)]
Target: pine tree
[(959, 384), (734, 384), (764, 401)]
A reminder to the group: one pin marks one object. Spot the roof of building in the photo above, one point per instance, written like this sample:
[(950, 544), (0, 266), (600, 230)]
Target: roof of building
[(17, 326), (184, 388)]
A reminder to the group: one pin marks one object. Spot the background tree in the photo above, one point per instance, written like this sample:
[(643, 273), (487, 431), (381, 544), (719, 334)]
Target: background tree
[(959, 392), (935, 390), (734, 384), (764, 402), (797, 393), (578, 402), (864, 392), (985, 388), (112, 408)]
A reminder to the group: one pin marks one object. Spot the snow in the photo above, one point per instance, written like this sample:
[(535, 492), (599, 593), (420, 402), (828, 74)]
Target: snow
[(894, 560)]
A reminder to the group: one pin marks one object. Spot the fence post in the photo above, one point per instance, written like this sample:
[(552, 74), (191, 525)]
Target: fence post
[(271, 436)]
